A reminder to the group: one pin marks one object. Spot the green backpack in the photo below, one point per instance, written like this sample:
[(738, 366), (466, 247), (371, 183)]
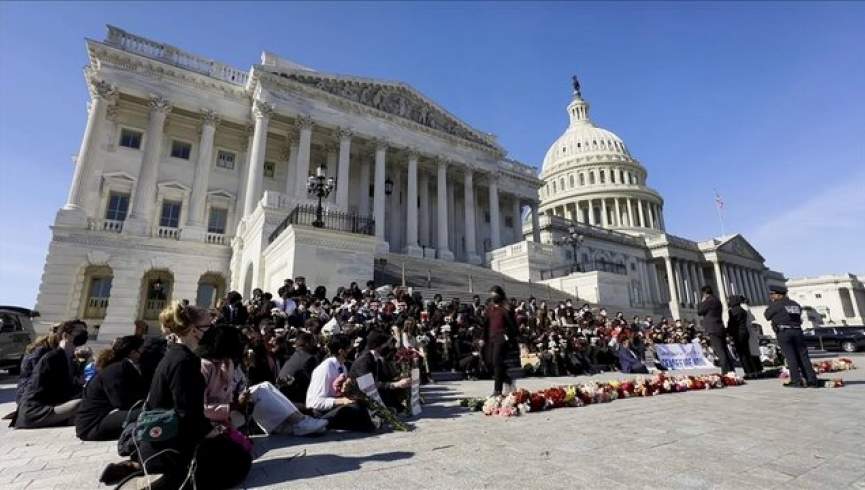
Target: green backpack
[(156, 426)]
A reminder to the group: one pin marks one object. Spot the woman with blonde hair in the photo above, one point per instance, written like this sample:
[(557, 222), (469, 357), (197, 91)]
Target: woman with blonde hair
[(200, 453)]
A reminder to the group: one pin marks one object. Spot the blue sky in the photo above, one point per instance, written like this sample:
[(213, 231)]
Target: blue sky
[(763, 101)]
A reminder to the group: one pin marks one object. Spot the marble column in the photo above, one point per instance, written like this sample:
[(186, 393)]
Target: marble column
[(291, 171), (536, 224), (424, 222), (394, 222), (255, 173), (764, 290), (618, 213), (681, 280), (605, 219), (640, 213), (591, 213), (141, 217), (695, 283), (495, 232), (755, 287), (452, 205), (342, 172), (719, 280), (661, 218), (411, 209), (196, 226), (517, 220), (378, 191), (304, 124), (442, 205), (649, 207), (363, 198), (671, 283), (244, 173), (630, 212), (331, 157), (103, 95), (472, 256)]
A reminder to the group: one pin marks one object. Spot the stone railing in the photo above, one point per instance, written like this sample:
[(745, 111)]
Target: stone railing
[(215, 238), (168, 232), (521, 248), (177, 57), (278, 200), (109, 225), (96, 308), (518, 168)]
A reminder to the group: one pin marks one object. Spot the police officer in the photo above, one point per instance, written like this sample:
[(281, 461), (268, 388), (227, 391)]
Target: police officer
[(786, 317)]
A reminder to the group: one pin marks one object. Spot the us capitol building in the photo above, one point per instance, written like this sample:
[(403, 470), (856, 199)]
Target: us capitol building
[(192, 178)]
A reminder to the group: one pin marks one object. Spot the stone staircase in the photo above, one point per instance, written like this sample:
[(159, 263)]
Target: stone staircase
[(456, 279)]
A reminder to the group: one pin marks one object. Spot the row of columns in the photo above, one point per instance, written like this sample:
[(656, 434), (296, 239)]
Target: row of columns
[(626, 212), (685, 278), (745, 282)]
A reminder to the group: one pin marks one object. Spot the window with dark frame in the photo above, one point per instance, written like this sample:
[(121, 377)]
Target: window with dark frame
[(130, 138), (225, 159), (170, 217), (118, 205), (180, 149), (217, 221), (269, 169)]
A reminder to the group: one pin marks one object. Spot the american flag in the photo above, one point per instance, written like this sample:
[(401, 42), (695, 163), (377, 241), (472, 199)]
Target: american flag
[(718, 201)]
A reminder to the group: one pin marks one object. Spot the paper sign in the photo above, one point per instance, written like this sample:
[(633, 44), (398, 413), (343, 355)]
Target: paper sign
[(415, 392), (682, 356)]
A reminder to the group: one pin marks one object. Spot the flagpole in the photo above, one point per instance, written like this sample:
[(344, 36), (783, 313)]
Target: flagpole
[(719, 204)]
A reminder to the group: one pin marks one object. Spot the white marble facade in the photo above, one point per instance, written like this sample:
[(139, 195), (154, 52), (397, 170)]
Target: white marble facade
[(835, 299), (186, 165)]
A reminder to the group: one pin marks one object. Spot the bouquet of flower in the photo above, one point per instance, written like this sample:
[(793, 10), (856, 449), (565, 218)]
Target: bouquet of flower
[(406, 358), (347, 387)]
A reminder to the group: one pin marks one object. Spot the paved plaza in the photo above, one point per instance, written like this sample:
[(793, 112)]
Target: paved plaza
[(755, 436)]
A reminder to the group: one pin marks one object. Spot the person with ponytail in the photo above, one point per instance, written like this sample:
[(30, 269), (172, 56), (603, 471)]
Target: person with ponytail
[(200, 454), (51, 397), (112, 393)]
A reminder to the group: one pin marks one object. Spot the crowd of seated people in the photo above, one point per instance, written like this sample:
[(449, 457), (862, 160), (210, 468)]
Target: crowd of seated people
[(270, 365)]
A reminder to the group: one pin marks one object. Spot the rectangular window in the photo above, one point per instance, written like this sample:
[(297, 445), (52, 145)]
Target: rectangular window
[(118, 204), (216, 221), (180, 149), (225, 159), (170, 214), (100, 287), (130, 138), (603, 176), (269, 169)]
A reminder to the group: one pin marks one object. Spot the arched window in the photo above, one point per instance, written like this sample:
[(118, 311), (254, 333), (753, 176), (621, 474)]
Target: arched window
[(562, 183), (571, 180), (554, 186), (582, 179), (591, 178), (603, 177)]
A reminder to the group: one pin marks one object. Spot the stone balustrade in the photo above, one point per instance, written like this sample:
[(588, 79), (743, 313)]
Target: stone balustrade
[(109, 225), (168, 232)]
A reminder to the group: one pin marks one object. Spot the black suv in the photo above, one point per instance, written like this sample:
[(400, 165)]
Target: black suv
[(847, 338)]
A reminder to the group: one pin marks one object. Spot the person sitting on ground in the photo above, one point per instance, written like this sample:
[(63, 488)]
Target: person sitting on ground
[(112, 393), (179, 386), (373, 361), (226, 394), (628, 360), (322, 397), (32, 353), (295, 375), (52, 395)]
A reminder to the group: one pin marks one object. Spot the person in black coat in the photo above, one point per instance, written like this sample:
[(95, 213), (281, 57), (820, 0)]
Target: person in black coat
[(372, 361), (112, 393), (713, 324), (737, 328), (295, 374), (52, 395), (234, 313), (178, 385)]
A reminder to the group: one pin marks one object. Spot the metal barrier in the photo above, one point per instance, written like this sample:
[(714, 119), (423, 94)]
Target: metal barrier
[(305, 215)]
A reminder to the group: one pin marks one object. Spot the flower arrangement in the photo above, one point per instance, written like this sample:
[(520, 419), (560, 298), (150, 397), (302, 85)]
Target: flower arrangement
[(523, 401), (347, 387), (828, 366)]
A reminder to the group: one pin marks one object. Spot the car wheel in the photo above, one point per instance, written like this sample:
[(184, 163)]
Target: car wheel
[(848, 347)]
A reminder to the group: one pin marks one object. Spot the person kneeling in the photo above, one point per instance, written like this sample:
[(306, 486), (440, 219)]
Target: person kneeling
[(110, 396)]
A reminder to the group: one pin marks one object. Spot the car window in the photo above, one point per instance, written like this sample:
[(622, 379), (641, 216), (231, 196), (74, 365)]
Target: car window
[(9, 323)]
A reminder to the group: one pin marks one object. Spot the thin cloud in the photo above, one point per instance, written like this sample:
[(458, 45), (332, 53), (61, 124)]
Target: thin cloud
[(822, 235)]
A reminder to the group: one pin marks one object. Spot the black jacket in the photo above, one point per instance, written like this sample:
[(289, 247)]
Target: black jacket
[(785, 311), (52, 384), (178, 384), (737, 324), (117, 387), (711, 309), (299, 366), (238, 317), (367, 363)]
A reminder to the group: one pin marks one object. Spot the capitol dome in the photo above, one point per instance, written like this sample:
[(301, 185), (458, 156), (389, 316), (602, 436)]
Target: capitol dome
[(590, 177)]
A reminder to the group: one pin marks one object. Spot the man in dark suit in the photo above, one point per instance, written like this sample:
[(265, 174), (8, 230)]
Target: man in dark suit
[(296, 373), (372, 361), (233, 312), (713, 324)]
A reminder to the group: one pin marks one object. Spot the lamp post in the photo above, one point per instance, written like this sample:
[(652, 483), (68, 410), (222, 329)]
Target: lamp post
[(320, 185), (575, 240), (388, 187)]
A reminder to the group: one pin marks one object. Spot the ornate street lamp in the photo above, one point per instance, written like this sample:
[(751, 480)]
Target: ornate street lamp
[(575, 240), (320, 185)]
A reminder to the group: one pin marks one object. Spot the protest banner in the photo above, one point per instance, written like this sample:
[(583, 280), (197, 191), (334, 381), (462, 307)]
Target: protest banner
[(682, 356)]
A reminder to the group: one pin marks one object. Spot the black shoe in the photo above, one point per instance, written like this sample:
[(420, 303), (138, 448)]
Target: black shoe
[(792, 385), (820, 383)]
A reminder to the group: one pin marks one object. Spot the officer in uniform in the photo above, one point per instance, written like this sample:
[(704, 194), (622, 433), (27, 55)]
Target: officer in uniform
[(786, 317)]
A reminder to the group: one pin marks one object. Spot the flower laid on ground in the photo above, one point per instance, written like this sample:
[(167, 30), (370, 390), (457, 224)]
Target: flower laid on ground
[(828, 366), (346, 386), (834, 383), (523, 401)]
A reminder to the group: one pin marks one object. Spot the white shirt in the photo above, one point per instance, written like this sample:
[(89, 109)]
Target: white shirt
[(320, 396)]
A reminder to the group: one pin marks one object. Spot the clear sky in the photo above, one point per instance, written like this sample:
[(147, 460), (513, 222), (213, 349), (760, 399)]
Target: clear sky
[(763, 101)]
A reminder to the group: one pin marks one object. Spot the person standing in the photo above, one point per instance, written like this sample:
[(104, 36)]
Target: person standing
[(710, 309), (786, 317), (500, 330), (737, 328)]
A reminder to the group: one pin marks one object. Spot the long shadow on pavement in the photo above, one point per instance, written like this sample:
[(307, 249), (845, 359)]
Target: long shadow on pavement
[(281, 470)]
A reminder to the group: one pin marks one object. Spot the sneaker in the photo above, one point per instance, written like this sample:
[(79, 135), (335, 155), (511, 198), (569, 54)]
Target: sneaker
[(309, 426)]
